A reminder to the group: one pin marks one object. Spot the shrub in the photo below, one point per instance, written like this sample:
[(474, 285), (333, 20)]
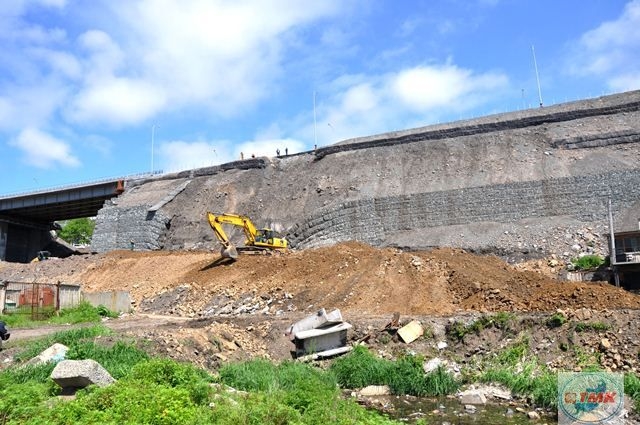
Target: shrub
[(587, 262), (556, 320), (175, 375)]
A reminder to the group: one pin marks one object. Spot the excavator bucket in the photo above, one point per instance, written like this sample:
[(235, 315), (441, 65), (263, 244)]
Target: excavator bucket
[(229, 252)]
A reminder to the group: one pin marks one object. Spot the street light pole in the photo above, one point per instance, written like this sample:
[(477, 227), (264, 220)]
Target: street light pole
[(153, 132), (315, 136)]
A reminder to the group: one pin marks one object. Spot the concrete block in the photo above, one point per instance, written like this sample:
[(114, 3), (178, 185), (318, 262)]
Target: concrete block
[(55, 353), (80, 374), (411, 331), (319, 340)]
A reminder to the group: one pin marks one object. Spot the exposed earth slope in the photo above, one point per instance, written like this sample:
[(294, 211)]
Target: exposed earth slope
[(353, 277)]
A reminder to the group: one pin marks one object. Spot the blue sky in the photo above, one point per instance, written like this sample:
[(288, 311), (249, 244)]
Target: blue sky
[(89, 87)]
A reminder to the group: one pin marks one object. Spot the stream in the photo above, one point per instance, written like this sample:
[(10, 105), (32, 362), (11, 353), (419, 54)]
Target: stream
[(444, 411)]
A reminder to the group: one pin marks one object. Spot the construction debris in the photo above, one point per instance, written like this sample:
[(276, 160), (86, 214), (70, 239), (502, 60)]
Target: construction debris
[(320, 335), (412, 331)]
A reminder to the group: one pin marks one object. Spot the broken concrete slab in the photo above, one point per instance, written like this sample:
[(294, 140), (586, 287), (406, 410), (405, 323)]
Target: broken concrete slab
[(315, 321), (324, 354), (55, 353), (320, 340), (410, 332), (80, 374)]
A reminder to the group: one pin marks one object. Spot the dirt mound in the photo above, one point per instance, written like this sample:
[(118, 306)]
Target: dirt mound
[(351, 276)]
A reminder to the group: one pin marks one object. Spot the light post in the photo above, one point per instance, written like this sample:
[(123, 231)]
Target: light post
[(153, 132), (315, 136)]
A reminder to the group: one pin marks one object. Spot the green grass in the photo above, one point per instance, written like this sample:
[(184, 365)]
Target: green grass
[(84, 343), (288, 393), (591, 326), (68, 338), (162, 391), (361, 368), (522, 375), (588, 262), (632, 387), (82, 313)]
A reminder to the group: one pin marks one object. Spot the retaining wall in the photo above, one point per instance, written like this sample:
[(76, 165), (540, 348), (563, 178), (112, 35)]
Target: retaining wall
[(373, 220), (117, 228)]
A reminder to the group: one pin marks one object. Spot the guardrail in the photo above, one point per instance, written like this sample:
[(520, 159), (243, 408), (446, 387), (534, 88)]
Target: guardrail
[(80, 184)]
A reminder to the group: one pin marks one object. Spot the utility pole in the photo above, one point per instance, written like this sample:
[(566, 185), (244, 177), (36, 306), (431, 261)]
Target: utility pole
[(153, 131), (535, 65)]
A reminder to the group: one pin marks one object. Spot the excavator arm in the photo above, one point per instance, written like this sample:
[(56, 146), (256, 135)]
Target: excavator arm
[(228, 250)]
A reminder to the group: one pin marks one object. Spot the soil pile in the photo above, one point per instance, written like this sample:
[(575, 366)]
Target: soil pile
[(353, 277)]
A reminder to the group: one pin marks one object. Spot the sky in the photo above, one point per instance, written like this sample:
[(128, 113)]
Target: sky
[(94, 89)]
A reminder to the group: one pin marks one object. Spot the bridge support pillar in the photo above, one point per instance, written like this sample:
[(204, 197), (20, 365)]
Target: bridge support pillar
[(3, 240)]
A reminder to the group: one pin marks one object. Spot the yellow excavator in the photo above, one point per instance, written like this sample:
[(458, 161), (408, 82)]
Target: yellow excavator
[(258, 240)]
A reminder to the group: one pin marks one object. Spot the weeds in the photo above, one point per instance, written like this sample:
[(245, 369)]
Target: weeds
[(524, 377), (404, 376), (587, 262), (632, 387), (592, 326), (67, 338), (288, 393), (82, 313), (587, 361), (557, 320)]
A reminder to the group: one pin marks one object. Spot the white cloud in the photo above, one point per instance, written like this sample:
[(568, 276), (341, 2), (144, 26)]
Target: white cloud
[(180, 155), (183, 155), (611, 51), (43, 150), (117, 101), (362, 105), (220, 55), (41, 102), (427, 87), (359, 98)]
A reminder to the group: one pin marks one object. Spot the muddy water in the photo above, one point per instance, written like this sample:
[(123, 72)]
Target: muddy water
[(450, 411)]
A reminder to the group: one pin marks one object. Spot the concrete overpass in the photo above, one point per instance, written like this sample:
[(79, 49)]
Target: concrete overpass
[(26, 218)]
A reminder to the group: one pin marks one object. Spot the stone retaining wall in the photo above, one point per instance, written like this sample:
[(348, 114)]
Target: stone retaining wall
[(373, 220), (117, 227)]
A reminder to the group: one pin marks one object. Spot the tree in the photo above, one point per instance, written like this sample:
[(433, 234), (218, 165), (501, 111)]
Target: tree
[(77, 231)]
